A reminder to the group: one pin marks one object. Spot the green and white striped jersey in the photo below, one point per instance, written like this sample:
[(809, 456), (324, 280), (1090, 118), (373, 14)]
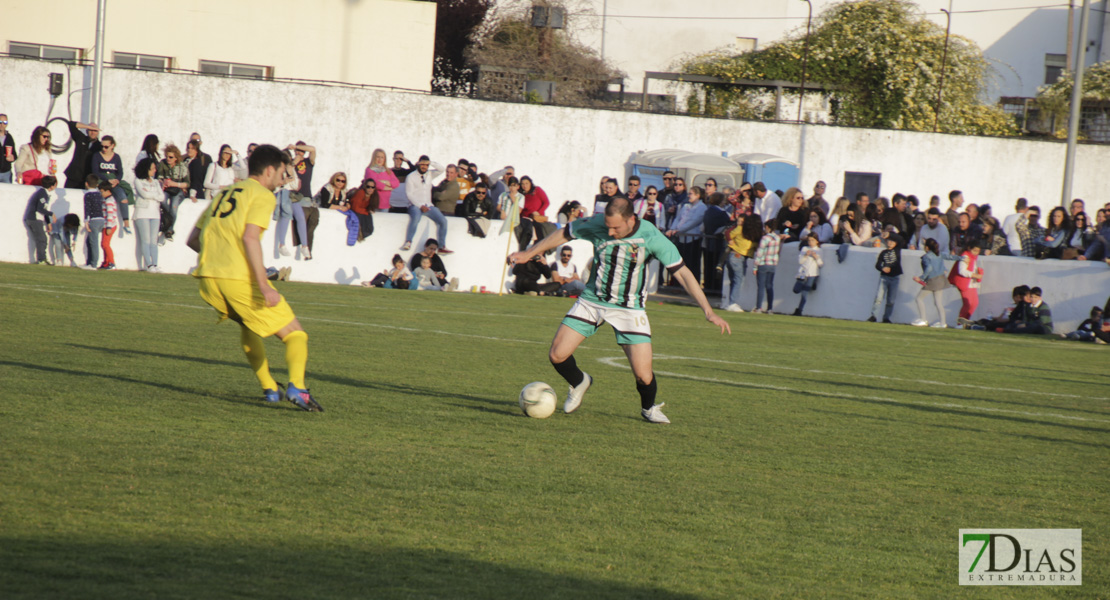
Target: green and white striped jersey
[(618, 277)]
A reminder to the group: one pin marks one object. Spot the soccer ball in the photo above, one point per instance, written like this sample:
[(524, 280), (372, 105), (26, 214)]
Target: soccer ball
[(537, 400)]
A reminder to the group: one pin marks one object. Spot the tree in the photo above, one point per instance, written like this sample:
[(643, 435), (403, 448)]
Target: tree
[(513, 44), (884, 60), (1055, 100), (458, 23)]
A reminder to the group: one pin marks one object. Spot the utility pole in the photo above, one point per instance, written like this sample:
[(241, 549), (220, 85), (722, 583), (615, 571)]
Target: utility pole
[(943, 68), (805, 61), (98, 63), (1076, 103)]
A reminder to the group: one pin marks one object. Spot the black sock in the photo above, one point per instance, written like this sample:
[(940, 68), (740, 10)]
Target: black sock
[(570, 371), (647, 393)]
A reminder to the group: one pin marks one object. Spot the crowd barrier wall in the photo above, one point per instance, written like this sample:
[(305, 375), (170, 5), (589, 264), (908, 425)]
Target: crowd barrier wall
[(845, 290), (565, 150)]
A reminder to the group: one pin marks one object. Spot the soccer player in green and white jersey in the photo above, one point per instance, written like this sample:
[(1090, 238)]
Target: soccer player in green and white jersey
[(623, 245)]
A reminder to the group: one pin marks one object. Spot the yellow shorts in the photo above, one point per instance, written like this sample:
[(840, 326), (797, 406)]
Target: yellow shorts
[(242, 302)]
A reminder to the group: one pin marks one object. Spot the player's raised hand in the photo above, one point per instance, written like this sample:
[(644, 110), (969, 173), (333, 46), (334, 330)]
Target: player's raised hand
[(270, 295), (719, 322)]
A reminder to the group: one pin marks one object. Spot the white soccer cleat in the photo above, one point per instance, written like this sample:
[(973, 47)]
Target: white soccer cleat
[(920, 323), (575, 395), (654, 414)]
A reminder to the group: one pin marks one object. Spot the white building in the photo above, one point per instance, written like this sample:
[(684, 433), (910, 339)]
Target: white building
[(372, 42), (1027, 46)]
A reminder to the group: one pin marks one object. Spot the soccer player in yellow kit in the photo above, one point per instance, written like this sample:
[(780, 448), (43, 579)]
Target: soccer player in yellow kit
[(233, 279)]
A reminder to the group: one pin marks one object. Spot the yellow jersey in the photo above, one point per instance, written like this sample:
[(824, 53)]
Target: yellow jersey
[(222, 254)]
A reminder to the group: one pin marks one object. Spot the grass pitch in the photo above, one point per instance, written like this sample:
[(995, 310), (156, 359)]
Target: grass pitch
[(807, 458)]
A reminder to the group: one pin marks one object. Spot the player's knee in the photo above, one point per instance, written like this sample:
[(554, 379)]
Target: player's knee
[(643, 379), (556, 357)]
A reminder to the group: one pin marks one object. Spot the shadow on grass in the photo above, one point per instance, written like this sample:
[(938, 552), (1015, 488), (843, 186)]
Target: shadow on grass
[(146, 382), (361, 384), (1023, 436), (65, 568)]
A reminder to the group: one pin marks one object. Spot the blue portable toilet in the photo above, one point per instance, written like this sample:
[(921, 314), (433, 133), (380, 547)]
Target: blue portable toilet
[(776, 172), (694, 167)]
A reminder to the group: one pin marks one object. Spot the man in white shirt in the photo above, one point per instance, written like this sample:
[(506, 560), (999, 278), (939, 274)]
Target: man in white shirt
[(565, 273), (1009, 226), (767, 203), (418, 188)]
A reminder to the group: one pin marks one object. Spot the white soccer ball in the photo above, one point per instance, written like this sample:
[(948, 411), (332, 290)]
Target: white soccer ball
[(537, 400)]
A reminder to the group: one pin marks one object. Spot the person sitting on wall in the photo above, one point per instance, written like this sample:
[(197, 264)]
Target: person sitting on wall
[(478, 209), (364, 202), (445, 194)]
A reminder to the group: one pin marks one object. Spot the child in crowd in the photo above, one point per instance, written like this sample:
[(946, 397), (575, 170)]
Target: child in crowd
[(111, 223), (425, 277), (809, 268), (967, 276), (766, 260), (742, 243), (889, 266), (1020, 294), (61, 239), (94, 221), (399, 277), (1087, 329), (932, 282), (1031, 316)]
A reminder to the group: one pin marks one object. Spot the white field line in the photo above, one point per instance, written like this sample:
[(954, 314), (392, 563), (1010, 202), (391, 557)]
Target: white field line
[(883, 377), (55, 290), (616, 361), (197, 307), (897, 336)]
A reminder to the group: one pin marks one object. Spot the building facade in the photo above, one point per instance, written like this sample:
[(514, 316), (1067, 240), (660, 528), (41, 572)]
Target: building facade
[(1026, 46), (368, 42)]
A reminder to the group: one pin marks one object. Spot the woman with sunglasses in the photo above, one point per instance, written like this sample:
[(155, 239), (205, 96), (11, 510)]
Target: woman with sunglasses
[(35, 159), (221, 173), (650, 208), (333, 196), (385, 180), (1081, 233), (364, 201), (792, 217)]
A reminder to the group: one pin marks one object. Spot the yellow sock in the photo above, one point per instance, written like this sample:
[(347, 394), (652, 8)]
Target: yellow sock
[(256, 356), (296, 356)]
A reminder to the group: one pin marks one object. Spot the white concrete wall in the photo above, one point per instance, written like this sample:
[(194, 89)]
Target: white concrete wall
[(564, 149), (845, 291), (378, 42)]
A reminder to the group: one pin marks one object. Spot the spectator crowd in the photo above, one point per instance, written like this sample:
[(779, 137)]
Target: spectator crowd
[(717, 230)]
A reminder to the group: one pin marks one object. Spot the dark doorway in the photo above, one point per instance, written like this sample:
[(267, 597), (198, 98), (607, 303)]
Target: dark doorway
[(855, 182)]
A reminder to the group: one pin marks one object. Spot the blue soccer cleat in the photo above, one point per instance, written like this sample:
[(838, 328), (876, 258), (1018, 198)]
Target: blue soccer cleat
[(271, 395), (302, 399)]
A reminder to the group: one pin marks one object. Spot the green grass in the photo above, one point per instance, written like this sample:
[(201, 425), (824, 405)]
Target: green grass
[(138, 462)]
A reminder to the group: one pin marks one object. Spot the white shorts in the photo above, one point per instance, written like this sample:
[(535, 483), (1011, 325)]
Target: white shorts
[(630, 325)]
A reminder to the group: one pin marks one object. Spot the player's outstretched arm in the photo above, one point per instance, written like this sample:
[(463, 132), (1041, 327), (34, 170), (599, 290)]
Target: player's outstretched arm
[(548, 243), (686, 278), (253, 246)]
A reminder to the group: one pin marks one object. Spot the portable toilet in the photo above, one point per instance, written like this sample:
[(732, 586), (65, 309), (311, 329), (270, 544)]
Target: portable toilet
[(776, 172), (694, 167)]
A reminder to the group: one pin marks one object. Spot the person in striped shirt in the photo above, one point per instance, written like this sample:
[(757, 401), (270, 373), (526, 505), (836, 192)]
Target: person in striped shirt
[(623, 245)]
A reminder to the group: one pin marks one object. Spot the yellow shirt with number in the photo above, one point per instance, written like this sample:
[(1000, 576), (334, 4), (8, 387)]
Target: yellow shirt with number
[(222, 254)]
